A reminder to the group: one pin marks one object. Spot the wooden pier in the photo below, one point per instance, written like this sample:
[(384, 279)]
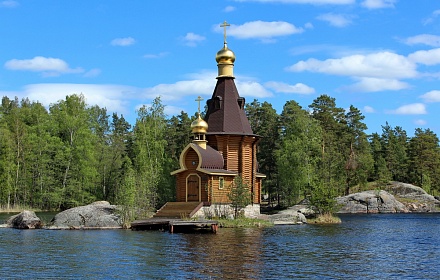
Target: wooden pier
[(175, 217), (176, 225)]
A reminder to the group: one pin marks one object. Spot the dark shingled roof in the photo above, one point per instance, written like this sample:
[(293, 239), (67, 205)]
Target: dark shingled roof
[(210, 158), (226, 113)]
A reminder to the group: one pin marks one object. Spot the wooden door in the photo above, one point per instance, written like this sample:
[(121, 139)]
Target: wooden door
[(193, 188)]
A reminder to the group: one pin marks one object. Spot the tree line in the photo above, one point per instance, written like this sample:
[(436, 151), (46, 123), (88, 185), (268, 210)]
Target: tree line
[(324, 151), (72, 153)]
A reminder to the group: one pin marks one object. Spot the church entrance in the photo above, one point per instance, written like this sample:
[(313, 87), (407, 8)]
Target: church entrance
[(193, 188)]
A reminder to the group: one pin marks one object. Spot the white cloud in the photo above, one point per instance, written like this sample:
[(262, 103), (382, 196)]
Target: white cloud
[(410, 109), (308, 25), (123, 42), (159, 55), (420, 122), (431, 96), (384, 65), (369, 109), (367, 84), (313, 2), (425, 39), (261, 30), (429, 57), (180, 89), (114, 97), (8, 4), (336, 20), (229, 9), (299, 88), (192, 39), (174, 110), (252, 89), (431, 18), (203, 84), (378, 4), (92, 73), (47, 65)]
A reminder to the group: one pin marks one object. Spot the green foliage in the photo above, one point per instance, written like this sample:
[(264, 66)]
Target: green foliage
[(323, 198), (395, 144), (298, 158), (239, 195), (265, 122), (424, 160), (244, 222), (178, 135), (149, 149), (73, 154)]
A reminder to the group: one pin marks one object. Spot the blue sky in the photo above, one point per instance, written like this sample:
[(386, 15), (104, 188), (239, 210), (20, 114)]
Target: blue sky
[(381, 56)]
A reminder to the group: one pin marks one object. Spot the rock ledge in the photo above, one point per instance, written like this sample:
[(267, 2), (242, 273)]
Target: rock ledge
[(97, 215)]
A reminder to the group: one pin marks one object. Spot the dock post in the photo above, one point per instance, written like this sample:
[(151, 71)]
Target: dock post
[(214, 228)]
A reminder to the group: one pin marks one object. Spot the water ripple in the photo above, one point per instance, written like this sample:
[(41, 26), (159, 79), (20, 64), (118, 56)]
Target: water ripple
[(362, 247)]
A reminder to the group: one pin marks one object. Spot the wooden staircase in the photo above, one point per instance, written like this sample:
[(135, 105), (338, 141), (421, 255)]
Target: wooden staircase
[(178, 210)]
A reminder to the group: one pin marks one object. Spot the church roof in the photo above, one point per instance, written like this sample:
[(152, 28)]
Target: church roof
[(210, 161), (226, 113), (209, 157)]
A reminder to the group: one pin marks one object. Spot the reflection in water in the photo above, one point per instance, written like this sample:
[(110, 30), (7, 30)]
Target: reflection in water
[(362, 247), (230, 254)]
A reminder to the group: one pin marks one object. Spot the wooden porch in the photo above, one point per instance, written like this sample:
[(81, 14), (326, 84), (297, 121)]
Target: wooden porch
[(173, 217)]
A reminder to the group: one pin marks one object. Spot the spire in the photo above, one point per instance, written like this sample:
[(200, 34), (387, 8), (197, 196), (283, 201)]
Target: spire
[(226, 114), (225, 57), (199, 128)]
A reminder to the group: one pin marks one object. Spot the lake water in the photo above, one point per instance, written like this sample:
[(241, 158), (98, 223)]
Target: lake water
[(397, 246)]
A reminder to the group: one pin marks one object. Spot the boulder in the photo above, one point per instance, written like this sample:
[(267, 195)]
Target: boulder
[(304, 208), (98, 215), (415, 198), (25, 220), (370, 202), (288, 217)]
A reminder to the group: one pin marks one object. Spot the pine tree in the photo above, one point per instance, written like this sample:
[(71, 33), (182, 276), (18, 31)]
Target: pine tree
[(424, 158), (299, 153), (264, 122), (239, 195)]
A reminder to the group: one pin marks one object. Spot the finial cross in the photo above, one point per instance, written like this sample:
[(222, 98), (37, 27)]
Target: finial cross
[(198, 101), (224, 25)]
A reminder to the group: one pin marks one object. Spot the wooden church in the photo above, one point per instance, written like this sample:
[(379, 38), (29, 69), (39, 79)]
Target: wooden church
[(223, 146)]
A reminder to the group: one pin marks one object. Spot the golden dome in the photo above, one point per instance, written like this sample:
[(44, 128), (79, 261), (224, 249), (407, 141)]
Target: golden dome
[(225, 55), (199, 125)]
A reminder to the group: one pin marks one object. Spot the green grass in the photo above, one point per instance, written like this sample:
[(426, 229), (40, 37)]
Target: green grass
[(244, 223), (323, 219)]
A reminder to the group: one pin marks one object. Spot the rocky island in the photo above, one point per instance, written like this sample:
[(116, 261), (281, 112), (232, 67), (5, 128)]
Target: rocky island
[(395, 198)]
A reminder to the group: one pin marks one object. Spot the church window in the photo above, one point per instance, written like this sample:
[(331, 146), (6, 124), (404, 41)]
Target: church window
[(241, 102), (217, 102), (221, 183)]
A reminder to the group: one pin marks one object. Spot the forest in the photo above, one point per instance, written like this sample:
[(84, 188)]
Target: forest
[(73, 153)]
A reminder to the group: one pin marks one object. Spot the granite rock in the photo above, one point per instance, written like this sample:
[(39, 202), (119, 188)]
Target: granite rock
[(98, 215), (25, 220)]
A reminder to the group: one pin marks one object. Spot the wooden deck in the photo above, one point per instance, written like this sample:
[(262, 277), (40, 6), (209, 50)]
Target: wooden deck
[(174, 217), (176, 225)]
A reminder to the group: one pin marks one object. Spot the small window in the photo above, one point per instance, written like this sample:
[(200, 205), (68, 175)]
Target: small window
[(241, 101), (217, 102), (221, 183)]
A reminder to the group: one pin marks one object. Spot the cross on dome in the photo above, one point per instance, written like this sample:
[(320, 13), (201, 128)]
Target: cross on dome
[(224, 25), (199, 99)]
